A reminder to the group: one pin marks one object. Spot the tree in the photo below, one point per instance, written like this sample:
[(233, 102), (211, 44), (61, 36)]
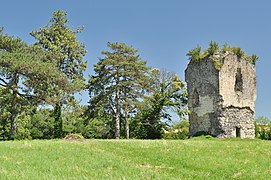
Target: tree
[(262, 120), (24, 78), (42, 124), (58, 39), (120, 79), (168, 95)]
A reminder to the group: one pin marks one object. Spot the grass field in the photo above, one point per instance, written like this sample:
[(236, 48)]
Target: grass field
[(136, 159)]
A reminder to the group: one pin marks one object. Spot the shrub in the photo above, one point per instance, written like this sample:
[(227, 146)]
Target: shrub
[(254, 58), (202, 133), (263, 131), (96, 128), (213, 47), (178, 131), (23, 127), (176, 134), (238, 51), (42, 124), (194, 54)]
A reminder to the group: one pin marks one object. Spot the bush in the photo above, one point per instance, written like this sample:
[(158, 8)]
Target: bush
[(96, 128), (178, 131), (202, 133), (42, 124), (23, 127), (263, 131), (4, 125), (176, 134)]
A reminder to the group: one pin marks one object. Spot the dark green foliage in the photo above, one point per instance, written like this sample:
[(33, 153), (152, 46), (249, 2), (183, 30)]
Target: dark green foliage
[(4, 126), (49, 72), (168, 92), (42, 124), (76, 121), (149, 127), (120, 80), (23, 126), (58, 39), (97, 129), (58, 125), (118, 90), (25, 77), (202, 133)]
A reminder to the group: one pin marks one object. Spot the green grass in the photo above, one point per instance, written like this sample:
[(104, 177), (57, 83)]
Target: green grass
[(136, 159)]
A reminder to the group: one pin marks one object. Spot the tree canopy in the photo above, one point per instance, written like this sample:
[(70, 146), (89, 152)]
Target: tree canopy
[(58, 39), (25, 77), (121, 79)]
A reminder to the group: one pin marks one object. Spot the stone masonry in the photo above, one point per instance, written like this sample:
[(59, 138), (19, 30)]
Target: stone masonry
[(221, 100)]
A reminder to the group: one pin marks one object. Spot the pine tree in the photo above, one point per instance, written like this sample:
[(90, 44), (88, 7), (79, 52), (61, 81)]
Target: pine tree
[(24, 77), (121, 79), (61, 41)]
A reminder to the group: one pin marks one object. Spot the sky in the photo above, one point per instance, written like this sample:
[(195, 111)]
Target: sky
[(163, 31)]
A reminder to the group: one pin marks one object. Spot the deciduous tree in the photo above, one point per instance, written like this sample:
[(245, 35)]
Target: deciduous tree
[(168, 95)]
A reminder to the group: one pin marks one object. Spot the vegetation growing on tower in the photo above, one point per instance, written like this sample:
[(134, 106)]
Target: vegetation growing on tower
[(197, 55)]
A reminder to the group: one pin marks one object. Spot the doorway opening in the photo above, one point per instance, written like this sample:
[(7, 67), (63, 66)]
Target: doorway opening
[(238, 132)]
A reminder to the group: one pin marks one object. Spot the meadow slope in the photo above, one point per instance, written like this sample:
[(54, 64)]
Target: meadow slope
[(196, 158)]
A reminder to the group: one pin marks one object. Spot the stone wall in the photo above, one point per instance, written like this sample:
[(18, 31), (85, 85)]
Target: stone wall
[(202, 85), (233, 118), (237, 89), (228, 77), (221, 101)]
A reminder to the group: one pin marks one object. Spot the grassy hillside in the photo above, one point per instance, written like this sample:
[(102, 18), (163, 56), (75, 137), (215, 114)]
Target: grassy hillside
[(136, 159)]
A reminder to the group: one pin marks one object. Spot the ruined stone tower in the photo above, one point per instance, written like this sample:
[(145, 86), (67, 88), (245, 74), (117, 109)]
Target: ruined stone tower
[(221, 94)]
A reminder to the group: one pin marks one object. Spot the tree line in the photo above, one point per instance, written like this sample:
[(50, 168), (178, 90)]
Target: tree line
[(38, 83)]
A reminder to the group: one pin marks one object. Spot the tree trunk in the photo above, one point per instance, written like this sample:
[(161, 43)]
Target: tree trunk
[(127, 123), (14, 106), (13, 127), (117, 127), (117, 123), (58, 130), (126, 110)]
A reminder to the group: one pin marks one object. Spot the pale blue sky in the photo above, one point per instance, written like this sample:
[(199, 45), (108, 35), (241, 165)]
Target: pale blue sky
[(162, 30)]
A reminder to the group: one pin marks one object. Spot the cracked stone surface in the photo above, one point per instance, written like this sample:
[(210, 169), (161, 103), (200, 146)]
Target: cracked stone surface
[(221, 102)]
